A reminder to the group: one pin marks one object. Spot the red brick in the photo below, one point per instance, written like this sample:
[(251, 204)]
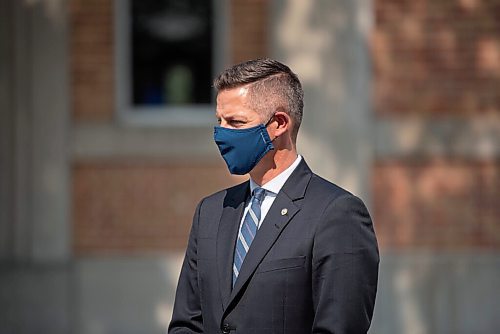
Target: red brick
[(437, 204), (92, 60), (249, 29), (436, 57), (126, 208)]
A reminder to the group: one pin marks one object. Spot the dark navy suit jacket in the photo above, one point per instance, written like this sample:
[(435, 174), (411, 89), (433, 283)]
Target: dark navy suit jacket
[(311, 268)]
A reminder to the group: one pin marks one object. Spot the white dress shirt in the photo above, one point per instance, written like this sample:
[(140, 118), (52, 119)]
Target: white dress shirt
[(272, 188)]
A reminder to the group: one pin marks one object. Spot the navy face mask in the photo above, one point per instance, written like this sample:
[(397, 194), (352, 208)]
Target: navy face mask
[(242, 149)]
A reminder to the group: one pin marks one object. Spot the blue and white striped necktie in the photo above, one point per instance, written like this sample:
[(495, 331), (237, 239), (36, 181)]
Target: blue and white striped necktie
[(248, 230)]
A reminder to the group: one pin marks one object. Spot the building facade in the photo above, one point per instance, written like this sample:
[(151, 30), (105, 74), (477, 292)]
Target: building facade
[(103, 159)]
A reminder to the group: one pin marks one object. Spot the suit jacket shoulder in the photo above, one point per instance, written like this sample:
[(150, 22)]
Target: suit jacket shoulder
[(225, 194), (325, 187), (211, 208)]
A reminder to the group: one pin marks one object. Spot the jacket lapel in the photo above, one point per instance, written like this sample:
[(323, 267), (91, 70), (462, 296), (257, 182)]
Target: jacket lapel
[(284, 208), (233, 207)]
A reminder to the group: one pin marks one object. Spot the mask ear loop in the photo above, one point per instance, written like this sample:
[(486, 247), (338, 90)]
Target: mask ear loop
[(269, 121)]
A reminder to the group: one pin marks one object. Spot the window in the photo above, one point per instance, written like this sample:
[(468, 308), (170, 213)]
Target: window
[(168, 52)]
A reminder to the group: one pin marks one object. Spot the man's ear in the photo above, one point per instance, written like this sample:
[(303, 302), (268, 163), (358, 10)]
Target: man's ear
[(281, 123)]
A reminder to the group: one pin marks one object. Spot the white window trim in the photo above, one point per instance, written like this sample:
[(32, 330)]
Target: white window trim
[(156, 116)]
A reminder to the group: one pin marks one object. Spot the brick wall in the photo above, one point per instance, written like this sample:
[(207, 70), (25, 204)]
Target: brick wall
[(437, 57), (138, 207), (249, 29), (439, 204), (92, 60)]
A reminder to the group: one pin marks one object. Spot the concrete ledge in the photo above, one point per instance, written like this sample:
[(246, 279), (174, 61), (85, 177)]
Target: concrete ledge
[(126, 295), (425, 292), (36, 299), (109, 141), (476, 138)]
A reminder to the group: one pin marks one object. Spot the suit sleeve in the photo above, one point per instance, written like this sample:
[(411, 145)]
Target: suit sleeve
[(344, 268), (187, 316)]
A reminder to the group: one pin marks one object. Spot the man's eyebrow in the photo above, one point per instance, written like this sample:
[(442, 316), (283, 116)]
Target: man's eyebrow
[(236, 117), (232, 116)]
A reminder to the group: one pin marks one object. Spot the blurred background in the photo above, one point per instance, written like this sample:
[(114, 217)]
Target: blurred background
[(106, 120)]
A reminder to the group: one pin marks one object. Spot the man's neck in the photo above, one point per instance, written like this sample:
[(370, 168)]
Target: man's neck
[(272, 165)]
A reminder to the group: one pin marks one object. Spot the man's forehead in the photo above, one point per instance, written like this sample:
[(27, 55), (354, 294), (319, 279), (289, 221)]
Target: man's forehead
[(236, 92), (233, 103), (228, 98)]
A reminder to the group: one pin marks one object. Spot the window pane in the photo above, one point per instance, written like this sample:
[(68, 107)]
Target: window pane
[(171, 52)]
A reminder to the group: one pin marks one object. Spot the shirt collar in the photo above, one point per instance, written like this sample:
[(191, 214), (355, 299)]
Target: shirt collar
[(274, 186)]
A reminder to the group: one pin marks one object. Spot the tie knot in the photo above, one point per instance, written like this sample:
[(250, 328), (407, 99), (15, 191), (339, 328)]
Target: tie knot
[(258, 194)]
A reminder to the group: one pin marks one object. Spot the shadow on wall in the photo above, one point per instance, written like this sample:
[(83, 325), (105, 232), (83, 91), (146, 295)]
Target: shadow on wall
[(326, 44)]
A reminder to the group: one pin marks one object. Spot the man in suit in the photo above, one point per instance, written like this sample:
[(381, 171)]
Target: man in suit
[(286, 251)]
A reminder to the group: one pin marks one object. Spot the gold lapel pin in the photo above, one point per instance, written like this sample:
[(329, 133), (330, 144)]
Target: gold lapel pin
[(284, 211)]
